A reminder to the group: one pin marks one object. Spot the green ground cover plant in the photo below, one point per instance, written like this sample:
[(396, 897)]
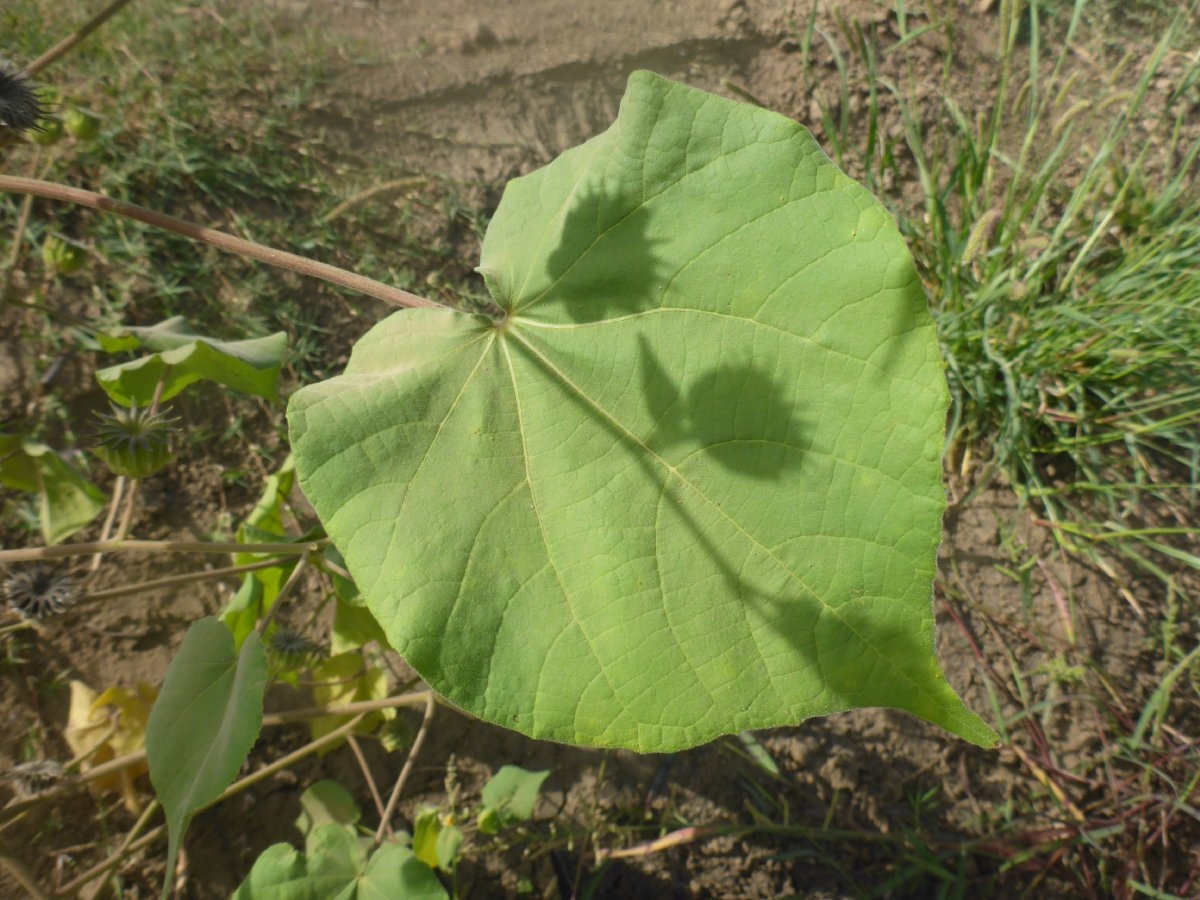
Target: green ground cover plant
[(666, 483)]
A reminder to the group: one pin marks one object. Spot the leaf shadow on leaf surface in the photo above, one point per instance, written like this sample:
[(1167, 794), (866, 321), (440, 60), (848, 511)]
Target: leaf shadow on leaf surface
[(598, 226), (859, 649), (761, 438)]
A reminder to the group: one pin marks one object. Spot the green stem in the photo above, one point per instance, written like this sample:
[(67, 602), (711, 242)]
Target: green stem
[(362, 706)]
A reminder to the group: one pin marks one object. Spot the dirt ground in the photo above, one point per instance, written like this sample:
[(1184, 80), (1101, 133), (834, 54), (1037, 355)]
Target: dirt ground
[(479, 91)]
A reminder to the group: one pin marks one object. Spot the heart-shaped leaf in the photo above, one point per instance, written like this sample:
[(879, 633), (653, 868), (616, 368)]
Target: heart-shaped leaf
[(692, 484), (206, 719), (326, 802)]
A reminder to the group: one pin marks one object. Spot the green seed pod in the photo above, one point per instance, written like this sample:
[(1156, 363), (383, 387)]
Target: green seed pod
[(82, 125), (134, 442), (61, 256), (47, 132)]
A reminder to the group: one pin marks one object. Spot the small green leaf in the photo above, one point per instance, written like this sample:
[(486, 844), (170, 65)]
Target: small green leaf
[(393, 872), (240, 614), (335, 867), (264, 525), (511, 795), (18, 466), (204, 723), (326, 802), (353, 623), (182, 358), (490, 821), (426, 828), (67, 501), (267, 515), (449, 844), (354, 626), (332, 862), (62, 256), (343, 679)]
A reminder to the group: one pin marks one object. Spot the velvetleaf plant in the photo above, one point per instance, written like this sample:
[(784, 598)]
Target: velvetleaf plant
[(680, 478), (686, 481)]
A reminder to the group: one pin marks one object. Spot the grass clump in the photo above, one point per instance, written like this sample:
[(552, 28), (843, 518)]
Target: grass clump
[(1055, 228), (1052, 207), (201, 120)]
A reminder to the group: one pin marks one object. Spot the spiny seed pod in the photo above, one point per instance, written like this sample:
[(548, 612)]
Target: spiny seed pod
[(48, 129), (62, 256), (291, 649), (32, 778), (81, 124), (134, 442), (37, 592), (20, 107)]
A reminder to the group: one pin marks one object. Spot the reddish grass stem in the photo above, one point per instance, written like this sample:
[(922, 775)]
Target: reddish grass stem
[(385, 820)]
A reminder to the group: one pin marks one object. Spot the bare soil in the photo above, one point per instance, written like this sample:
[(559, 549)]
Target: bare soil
[(475, 92)]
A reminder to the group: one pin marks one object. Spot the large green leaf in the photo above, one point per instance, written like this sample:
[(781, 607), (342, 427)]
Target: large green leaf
[(692, 484), (336, 866), (182, 357), (206, 719), (67, 501)]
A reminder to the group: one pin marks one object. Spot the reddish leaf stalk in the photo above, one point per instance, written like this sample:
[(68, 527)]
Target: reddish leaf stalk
[(218, 239)]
